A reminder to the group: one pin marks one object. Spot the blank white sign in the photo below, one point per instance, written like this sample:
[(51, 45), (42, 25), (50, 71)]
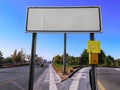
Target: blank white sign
[(63, 19)]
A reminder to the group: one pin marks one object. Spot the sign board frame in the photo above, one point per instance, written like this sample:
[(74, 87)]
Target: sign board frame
[(63, 28)]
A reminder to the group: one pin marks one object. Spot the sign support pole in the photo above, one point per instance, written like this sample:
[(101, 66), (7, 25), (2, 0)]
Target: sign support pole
[(64, 57), (33, 52), (92, 71)]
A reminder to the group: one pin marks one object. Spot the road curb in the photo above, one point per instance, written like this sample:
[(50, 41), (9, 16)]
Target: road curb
[(73, 73)]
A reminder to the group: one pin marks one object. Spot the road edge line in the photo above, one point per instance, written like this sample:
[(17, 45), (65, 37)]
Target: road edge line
[(100, 86), (52, 85)]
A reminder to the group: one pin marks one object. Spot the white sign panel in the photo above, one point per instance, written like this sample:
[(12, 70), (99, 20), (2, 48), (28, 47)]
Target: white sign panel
[(63, 19)]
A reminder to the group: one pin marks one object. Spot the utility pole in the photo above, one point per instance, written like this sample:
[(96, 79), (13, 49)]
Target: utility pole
[(33, 52), (92, 71), (64, 56)]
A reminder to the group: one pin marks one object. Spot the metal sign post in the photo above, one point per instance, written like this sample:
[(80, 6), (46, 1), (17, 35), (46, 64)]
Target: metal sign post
[(33, 52), (92, 71), (64, 57)]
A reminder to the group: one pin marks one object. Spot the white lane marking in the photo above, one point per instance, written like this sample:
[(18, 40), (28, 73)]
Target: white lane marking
[(52, 85), (118, 69), (18, 85), (75, 82)]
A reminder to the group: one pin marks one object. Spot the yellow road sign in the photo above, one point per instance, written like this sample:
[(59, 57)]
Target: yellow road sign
[(93, 47), (93, 58)]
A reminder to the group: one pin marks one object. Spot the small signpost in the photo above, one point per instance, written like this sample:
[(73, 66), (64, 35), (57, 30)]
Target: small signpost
[(64, 20), (93, 50)]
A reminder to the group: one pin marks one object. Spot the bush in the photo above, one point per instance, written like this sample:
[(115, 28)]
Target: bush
[(8, 60)]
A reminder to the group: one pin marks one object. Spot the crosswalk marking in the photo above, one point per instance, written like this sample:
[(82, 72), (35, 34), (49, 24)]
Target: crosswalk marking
[(75, 82)]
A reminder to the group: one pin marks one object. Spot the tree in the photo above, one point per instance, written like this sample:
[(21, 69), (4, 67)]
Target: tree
[(18, 57), (1, 54), (14, 55), (84, 57), (57, 59), (39, 59), (109, 59), (101, 57), (8, 60)]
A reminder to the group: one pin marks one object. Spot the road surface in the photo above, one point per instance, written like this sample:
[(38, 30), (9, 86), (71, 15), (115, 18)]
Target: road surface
[(108, 78), (47, 79), (16, 78)]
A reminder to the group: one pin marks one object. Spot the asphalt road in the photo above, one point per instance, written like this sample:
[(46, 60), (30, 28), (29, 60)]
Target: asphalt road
[(17, 78), (109, 78)]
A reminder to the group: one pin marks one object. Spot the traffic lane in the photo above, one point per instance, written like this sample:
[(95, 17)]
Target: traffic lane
[(11, 77), (109, 78), (19, 79), (10, 73)]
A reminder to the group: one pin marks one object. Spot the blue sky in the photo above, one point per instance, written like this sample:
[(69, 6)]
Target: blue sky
[(13, 36)]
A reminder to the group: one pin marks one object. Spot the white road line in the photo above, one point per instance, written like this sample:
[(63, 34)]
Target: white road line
[(16, 84), (75, 82), (118, 69), (52, 85)]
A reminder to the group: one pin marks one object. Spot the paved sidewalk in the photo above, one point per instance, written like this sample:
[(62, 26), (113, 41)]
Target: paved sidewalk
[(48, 80), (80, 80)]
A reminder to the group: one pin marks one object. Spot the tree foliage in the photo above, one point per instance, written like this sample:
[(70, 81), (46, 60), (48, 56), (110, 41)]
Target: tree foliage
[(101, 57), (18, 56), (84, 59), (109, 59), (1, 53), (8, 60), (57, 59), (70, 60)]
